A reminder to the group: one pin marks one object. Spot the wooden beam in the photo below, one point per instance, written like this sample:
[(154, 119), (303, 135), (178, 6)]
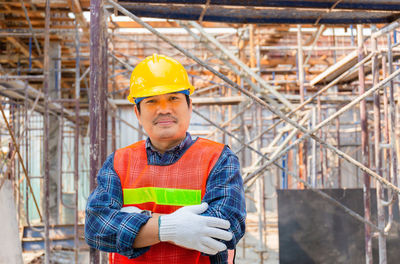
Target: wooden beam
[(24, 49), (166, 24), (39, 21), (31, 14)]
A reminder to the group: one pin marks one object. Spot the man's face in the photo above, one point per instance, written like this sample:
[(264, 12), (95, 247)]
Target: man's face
[(165, 117)]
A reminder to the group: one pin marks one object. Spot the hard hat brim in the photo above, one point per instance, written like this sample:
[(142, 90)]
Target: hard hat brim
[(162, 89)]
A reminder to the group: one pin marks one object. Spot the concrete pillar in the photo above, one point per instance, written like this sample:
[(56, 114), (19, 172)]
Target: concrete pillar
[(54, 129), (10, 244)]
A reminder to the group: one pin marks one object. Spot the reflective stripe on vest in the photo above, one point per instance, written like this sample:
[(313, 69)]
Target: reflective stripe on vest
[(164, 189), (162, 196)]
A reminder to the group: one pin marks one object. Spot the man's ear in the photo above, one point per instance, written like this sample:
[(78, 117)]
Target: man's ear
[(190, 106), (137, 114)]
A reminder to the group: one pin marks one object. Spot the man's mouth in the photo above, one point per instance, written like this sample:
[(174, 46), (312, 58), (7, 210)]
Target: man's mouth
[(165, 120)]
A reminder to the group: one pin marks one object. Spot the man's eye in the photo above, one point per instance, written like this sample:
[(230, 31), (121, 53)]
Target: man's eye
[(174, 98), (150, 101)]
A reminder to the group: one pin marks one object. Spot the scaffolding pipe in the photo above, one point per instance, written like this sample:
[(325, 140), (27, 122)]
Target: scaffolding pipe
[(76, 141), (77, 63), (364, 147), (261, 247), (96, 7), (37, 31), (300, 65), (252, 57), (289, 137), (392, 121), (306, 48), (114, 89), (378, 156), (300, 72), (387, 29), (46, 72), (386, 167), (243, 162), (84, 74), (229, 121), (114, 114), (320, 30), (76, 182), (263, 198), (313, 169), (30, 27), (103, 89), (231, 135), (21, 77), (321, 149), (127, 65), (26, 132), (60, 161)]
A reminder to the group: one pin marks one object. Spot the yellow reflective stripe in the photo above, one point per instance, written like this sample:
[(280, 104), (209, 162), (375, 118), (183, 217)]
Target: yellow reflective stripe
[(162, 196)]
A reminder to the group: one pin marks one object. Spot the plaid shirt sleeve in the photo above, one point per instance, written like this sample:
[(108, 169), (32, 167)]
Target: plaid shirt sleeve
[(106, 228), (225, 196)]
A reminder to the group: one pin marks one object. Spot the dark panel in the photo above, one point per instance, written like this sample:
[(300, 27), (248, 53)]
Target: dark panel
[(360, 5), (256, 16), (313, 230)]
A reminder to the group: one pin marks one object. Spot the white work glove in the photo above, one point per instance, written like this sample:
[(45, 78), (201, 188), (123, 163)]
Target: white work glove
[(187, 228), (131, 209)]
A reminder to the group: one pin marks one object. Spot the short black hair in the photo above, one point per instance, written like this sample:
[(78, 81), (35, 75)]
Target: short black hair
[(186, 96)]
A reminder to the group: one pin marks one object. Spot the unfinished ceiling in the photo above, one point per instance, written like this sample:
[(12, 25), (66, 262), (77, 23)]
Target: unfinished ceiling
[(22, 37)]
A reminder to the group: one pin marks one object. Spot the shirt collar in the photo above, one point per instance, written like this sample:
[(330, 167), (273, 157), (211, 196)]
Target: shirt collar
[(186, 142)]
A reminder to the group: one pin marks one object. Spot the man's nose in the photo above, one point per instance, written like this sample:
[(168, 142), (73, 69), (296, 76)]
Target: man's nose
[(164, 106)]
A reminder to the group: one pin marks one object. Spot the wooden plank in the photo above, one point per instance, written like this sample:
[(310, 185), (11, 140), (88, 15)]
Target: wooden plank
[(338, 68), (166, 24)]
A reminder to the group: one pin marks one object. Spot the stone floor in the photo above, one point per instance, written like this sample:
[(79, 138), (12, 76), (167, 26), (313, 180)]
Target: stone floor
[(251, 254)]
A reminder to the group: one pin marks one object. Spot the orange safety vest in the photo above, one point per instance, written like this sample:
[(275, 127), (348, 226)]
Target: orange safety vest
[(164, 189)]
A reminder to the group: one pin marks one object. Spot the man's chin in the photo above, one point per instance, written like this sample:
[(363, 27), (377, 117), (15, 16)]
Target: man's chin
[(169, 135)]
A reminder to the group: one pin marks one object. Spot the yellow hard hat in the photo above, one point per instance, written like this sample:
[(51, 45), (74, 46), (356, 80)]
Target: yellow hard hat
[(158, 74)]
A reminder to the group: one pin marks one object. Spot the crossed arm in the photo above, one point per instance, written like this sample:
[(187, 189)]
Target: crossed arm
[(110, 229)]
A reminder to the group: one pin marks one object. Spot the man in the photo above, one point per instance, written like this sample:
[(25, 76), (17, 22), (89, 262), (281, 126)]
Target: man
[(169, 199)]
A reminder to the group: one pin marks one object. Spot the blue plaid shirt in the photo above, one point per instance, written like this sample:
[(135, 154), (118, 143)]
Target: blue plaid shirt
[(109, 229)]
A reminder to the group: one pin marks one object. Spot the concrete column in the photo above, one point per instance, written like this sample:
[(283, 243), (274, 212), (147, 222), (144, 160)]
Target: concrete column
[(10, 244), (54, 129)]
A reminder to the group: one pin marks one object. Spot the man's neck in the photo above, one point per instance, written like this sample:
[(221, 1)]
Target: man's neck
[(163, 146)]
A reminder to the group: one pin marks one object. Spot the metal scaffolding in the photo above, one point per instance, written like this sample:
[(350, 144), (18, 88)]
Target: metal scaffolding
[(293, 125)]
